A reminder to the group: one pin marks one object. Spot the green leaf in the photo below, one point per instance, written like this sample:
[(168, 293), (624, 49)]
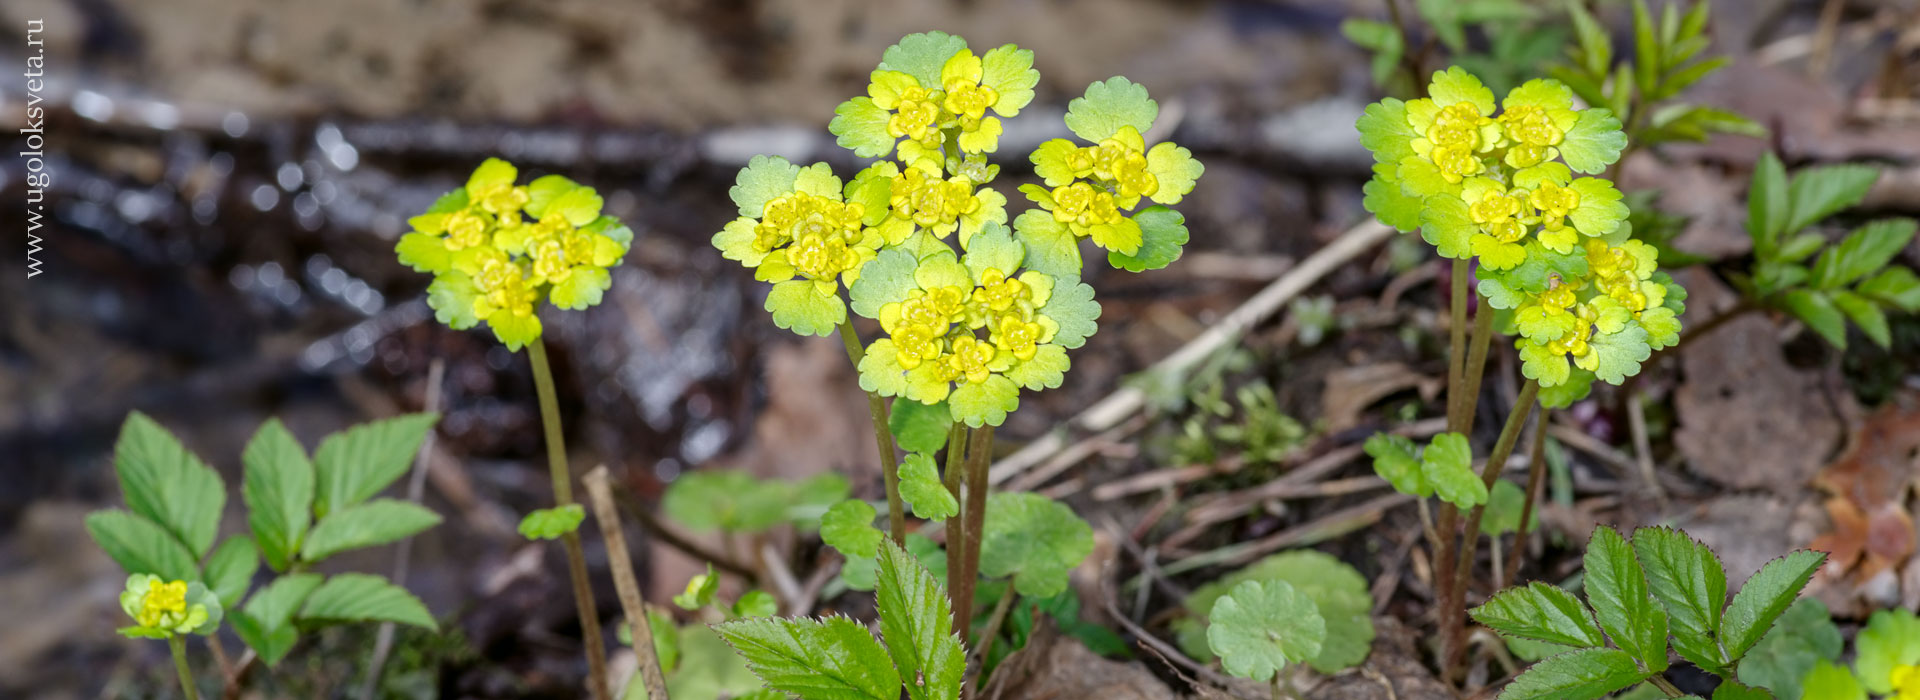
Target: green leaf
[(755, 603), (264, 624), (1395, 459), (1009, 71), (984, 403), (1817, 193), (1051, 248), (885, 279), (919, 427), (1542, 612), (1594, 142), (1866, 314), (1455, 85), (921, 488), (1619, 354), (140, 545), (710, 669), (1804, 636), (831, 659), (551, 523), (1108, 106), (1444, 222), (1392, 205), (848, 527), (797, 305), (1895, 286), (369, 524), (1259, 627), (1891, 638), (359, 462), (1818, 311), (1447, 464), (993, 247), (1577, 385), (1767, 204), (1033, 538), (1829, 682), (1617, 588), (917, 624), (1867, 249), (365, 598), (764, 179), (1596, 48), (1072, 307), (230, 570), (1505, 503), (1734, 690), (700, 590), (1384, 130), (1176, 170), (1688, 580), (861, 127), (1581, 674), (1338, 590), (1163, 235), (1764, 597), (278, 490), (729, 500), (922, 56), (168, 485)]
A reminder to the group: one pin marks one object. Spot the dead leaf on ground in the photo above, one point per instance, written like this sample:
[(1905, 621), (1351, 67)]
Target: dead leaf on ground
[(1060, 667), (1351, 390), (1872, 525)]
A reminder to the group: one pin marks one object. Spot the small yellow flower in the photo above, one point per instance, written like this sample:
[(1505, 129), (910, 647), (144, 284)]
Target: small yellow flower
[(917, 343), (1016, 335), (917, 117), (1554, 203), (1457, 163), (971, 358), (1906, 682), (161, 609)]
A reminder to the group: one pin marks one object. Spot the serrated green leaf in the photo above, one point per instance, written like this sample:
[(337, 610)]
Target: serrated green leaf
[(1817, 193), (1895, 286), (1581, 674), (1596, 48), (230, 569), (1072, 307), (848, 527), (1388, 202), (1764, 597), (367, 524), (1689, 582), (141, 546), (1804, 636), (831, 659), (1009, 71), (1394, 459), (352, 465), (167, 484), (265, 623), (1594, 142), (1258, 627), (1163, 236), (763, 179), (1109, 105), (1866, 314), (922, 56), (365, 598), (1617, 589), (1867, 249), (1542, 612), (1444, 222), (799, 306), (1034, 539), (551, 523), (921, 488), (1337, 589), (1447, 464), (916, 623), (887, 278), (993, 247), (1818, 311), (1455, 85), (1385, 132), (1767, 204), (278, 490)]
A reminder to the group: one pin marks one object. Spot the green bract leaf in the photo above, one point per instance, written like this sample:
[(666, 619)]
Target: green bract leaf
[(1817, 193), (353, 465), (1890, 639), (1108, 106), (1447, 464), (700, 590), (551, 523), (1259, 627), (1176, 170), (764, 178), (1867, 249), (993, 248), (451, 296), (1009, 71), (1866, 314), (755, 603), (831, 659), (365, 598), (1542, 612), (1594, 142), (141, 546), (921, 488), (1829, 682), (887, 278), (1803, 637), (1505, 503), (1817, 309), (917, 624), (1617, 588), (1163, 235), (922, 56), (1051, 248), (278, 490), (367, 524), (1619, 354), (1764, 597), (1600, 211), (1071, 305), (861, 127), (230, 570), (1395, 459), (984, 403), (1046, 370), (800, 306), (1582, 674), (848, 527), (1034, 539), (918, 427), (168, 485), (1690, 583), (1574, 387), (1455, 85), (1444, 222), (1767, 204), (1384, 131), (265, 623), (1392, 205)]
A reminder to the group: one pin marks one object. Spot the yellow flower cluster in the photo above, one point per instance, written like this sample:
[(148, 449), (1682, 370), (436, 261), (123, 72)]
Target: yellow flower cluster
[(821, 236), (934, 332), (161, 609)]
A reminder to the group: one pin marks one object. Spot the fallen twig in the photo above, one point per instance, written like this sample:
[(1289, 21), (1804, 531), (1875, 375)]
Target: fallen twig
[(403, 552), (600, 495)]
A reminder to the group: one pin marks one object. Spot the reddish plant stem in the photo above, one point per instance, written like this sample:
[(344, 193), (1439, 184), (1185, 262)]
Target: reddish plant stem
[(1536, 474), (979, 455), (956, 524), (882, 436), (1455, 606)]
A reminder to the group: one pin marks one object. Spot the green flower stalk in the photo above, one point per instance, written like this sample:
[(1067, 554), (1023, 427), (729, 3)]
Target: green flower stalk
[(496, 251)]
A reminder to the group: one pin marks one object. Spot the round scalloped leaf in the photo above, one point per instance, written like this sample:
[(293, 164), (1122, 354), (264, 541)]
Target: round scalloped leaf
[(1109, 105), (1045, 371), (861, 126), (579, 206), (513, 330), (1034, 539), (880, 370), (1600, 211), (1050, 162), (1540, 364), (942, 269), (885, 279), (1455, 85), (1498, 293), (798, 305), (918, 427), (424, 252), (922, 56), (544, 190), (492, 173), (1261, 626), (1444, 222), (818, 180), (1662, 326), (848, 528), (1388, 202), (1009, 71), (581, 289), (984, 403), (921, 488), (1175, 168), (735, 242), (1395, 459), (1163, 235), (451, 296), (1072, 307), (1384, 131), (872, 189), (1594, 142), (1578, 384), (1447, 464), (1051, 247), (764, 178), (1619, 354), (993, 247)]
